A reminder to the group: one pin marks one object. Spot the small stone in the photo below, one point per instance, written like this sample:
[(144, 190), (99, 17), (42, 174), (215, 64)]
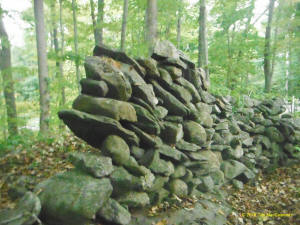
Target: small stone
[(178, 187), (134, 199)]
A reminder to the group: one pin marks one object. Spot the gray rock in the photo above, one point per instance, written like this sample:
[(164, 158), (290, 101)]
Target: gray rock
[(97, 166), (156, 197), (194, 133), (101, 50), (159, 183), (192, 77), (174, 119), (274, 134), (146, 121), (172, 132), (204, 107), (118, 86), (25, 213), (186, 146), (146, 93), (237, 184), (116, 148), (113, 212), (232, 168), (178, 187), (174, 62), (180, 93), (72, 197), (163, 50), (151, 67), (217, 176), (204, 119), (174, 106), (93, 87), (190, 87), (170, 152), (165, 77), (134, 199), (160, 112), (174, 72), (137, 152), (146, 139), (179, 172), (207, 97), (207, 184), (83, 123), (112, 108), (159, 166)]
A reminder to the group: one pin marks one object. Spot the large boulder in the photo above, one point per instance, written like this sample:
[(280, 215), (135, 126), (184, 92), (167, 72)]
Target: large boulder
[(112, 108), (194, 133), (72, 197), (94, 129)]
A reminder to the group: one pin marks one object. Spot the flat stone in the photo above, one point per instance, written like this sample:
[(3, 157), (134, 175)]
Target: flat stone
[(112, 108), (172, 132), (178, 187), (134, 199), (232, 168), (146, 93), (93, 129), (186, 146)]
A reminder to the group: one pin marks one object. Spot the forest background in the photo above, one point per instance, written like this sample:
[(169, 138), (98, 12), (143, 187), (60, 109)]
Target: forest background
[(247, 47)]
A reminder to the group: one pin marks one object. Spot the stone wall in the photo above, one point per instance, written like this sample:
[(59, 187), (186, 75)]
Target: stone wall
[(159, 133)]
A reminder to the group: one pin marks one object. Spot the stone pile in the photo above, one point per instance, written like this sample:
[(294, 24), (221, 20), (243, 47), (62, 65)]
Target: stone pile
[(159, 133)]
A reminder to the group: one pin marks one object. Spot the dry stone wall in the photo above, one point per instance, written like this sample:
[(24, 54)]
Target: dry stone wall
[(159, 133)]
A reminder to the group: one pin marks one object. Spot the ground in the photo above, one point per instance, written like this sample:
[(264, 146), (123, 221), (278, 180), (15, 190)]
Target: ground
[(272, 198)]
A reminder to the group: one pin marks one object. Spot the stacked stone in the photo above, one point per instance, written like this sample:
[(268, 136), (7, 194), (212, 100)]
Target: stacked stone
[(159, 133)]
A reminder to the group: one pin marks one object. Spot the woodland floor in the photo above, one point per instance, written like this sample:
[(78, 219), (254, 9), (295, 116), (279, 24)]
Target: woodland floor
[(273, 198)]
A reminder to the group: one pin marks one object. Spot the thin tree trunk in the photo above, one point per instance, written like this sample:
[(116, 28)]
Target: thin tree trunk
[(178, 38), (100, 21), (7, 78), (203, 50), (151, 24), (267, 51), (92, 5), (42, 66), (74, 9), (124, 25), (61, 65)]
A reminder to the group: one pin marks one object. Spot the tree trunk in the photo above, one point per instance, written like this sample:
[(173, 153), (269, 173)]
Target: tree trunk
[(151, 24), (124, 25), (267, 51), (203, 50), (8, 84), (98, 22), (178, 38), (42, 66), (74, 9), (61, 65)]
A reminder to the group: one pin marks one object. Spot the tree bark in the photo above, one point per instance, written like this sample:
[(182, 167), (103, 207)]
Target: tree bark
[(98, 22), (42, 66), (202, 45), (178, 38), (74, 9), (8, 83), (267, 51), (61, 65), (151, 24), (124, 25)]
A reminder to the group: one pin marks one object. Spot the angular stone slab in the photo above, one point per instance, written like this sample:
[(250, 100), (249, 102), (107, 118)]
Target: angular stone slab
[(186, 146), (232, 168), (101, 50), (172, 132), (94, 129), (146, 121), (174, 106), (98, 69), (146, 93), (72, 197), (112, 108), (190, 87), (163, 50)]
